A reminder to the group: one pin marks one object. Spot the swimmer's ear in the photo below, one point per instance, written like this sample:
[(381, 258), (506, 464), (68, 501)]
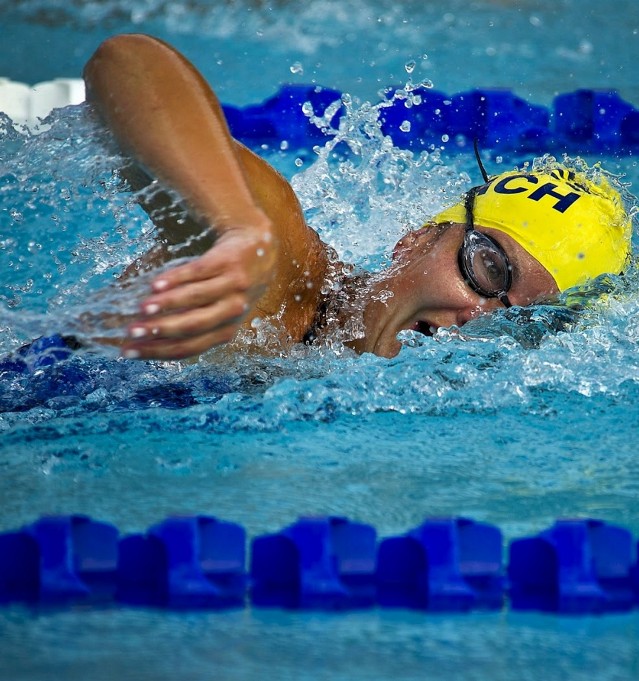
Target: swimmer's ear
[(408, 241)]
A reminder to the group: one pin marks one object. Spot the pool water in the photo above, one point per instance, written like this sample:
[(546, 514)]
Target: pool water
[(508, 421)]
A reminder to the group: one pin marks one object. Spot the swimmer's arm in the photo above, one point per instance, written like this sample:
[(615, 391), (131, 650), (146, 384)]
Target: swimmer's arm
[(165, 116)]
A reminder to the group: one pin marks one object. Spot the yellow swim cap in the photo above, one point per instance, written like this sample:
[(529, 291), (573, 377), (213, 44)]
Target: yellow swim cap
[(576, 228)]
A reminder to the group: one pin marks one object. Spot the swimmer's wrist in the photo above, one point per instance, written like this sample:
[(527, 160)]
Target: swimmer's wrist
[(255, 224)]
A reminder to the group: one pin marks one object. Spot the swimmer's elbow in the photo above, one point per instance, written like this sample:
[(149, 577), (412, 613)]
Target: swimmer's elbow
[(116, 54)]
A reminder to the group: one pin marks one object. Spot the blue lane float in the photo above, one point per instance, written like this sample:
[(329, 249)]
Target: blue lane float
[(49, 371), (575, 567), (190, 562), (59, 559), (42, 352), (579, 566), (317, 562), (448, 564), (584, 121)]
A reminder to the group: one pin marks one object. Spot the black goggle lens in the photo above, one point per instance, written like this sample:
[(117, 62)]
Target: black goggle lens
[(482, 261), (484, 265)]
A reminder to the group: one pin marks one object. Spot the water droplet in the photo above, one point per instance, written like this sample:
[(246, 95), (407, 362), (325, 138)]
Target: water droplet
[(585, 47), (410, 66)]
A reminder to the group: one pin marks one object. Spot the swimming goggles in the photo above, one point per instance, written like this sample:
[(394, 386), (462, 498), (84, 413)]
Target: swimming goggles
[(482, 261)]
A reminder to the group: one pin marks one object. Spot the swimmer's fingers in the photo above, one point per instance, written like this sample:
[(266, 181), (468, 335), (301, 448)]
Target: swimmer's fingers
[(202, 303), (187, 333), (197, 270), (244, 257), (189, 295), (177, 348)]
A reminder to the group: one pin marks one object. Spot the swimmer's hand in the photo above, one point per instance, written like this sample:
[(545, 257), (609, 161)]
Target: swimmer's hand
[(203, 303)]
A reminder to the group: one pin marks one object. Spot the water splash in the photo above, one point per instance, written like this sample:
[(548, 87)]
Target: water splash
[(69, 229), (361, 194)]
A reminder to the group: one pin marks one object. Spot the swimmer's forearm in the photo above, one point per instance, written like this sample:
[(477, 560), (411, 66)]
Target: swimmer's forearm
[(264, 262), (163, 113)]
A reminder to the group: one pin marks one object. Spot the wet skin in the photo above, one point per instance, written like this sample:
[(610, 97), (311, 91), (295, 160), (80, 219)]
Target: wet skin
[(429, 292), (264, 261)]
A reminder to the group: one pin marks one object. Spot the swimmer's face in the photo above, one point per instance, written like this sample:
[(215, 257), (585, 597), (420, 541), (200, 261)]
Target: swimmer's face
[(429, 290)]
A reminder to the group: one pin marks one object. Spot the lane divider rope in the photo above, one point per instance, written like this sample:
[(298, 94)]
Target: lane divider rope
[(418, 118), (454, 564)]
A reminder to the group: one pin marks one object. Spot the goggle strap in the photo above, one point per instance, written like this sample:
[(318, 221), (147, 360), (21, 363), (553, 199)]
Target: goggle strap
[(482, 170), (469, 204), (503, 299)]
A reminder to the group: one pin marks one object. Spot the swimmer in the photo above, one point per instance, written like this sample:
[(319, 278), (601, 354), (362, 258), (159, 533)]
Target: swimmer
[(517, 239)]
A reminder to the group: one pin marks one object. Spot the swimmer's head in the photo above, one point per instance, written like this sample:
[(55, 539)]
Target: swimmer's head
[(576, 228)]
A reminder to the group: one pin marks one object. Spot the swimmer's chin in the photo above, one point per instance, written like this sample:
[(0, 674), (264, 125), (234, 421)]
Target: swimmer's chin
[(388, 346)]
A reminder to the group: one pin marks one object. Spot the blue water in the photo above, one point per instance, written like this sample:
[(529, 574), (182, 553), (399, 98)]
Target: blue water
[(506, 422)]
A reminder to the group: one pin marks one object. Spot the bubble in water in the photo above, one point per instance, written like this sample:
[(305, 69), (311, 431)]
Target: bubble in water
[(410, 66), (297, 69), (405, 126), (586, 47)]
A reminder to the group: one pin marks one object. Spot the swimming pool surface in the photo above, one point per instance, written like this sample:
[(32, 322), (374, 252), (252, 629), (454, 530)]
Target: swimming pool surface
[(507, 422)]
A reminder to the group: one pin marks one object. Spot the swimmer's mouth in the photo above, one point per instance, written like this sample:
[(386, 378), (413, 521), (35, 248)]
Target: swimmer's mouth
[(424, 327)]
